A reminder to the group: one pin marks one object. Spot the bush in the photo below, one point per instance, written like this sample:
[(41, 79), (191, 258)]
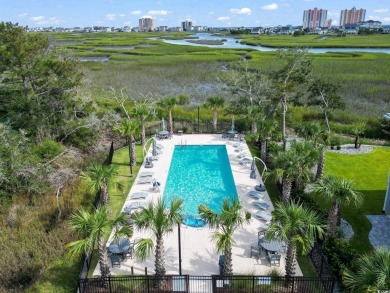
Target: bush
[(48, 149), (340, 255)]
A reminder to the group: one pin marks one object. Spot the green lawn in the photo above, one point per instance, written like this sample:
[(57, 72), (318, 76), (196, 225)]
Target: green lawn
[(118, 196), (370, 174)]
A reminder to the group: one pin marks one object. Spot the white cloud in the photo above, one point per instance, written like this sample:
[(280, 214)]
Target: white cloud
[(22, 15), (384, 10), (244, 10), (158, 12), (223, 18), (122, 15), (378, 18), (136, 12), (41, 20), (37, 18), (272, 6), (110, 16)]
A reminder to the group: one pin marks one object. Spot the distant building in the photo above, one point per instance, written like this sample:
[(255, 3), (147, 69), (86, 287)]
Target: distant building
[(352, 29), (146, 24), (352, 16), (162, 28), (314, 18), (370, 24), (186, 25)]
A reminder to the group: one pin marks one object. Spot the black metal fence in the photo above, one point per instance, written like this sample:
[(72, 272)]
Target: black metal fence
[(206, 284)]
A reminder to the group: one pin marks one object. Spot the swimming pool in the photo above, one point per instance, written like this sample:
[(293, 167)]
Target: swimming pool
[(200, 174)]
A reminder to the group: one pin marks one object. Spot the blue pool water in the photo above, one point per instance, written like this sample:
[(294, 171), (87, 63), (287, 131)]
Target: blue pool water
[(200, 175)]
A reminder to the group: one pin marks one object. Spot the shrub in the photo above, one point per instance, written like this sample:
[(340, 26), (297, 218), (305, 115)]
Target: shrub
[(48, 149), (340, 255)]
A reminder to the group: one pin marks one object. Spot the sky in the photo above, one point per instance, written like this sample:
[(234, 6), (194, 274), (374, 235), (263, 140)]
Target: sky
[(212, 13)]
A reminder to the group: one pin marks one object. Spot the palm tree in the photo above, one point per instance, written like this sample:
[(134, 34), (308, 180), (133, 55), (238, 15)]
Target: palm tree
[(298, 227), (168, 104), (340, 192), (357, 130), (129, 129), (98, 178), (372, 274), (92, 227), (214, 103), (143, 110), (265, 129), (253, 114), (226, 222), (161, 222)]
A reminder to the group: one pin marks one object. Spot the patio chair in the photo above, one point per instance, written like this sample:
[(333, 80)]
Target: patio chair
[(255, 194), (273, 258), (262, 215), (255, 251), (148, 163), (115, 260), (242, 155), (237, 144), (146, 174), (239, 149), (136, 205), (128, 253), (261, 204), (139, 195), (145, 180), (244, 161)]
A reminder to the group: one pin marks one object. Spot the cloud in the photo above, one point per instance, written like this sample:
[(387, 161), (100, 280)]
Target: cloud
[(223, 18), (384, 10), (378, 18), (122, 15), (22, 15), (136, 12), (110, 16), (41, 20), (241, 11), (158, 12), (272, 6)]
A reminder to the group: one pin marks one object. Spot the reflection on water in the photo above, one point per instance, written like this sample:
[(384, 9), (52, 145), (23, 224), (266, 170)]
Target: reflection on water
[(233, 43), (94, 59)]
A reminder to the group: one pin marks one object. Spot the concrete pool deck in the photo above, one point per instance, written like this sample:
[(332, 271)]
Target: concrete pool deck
[(199, 257)]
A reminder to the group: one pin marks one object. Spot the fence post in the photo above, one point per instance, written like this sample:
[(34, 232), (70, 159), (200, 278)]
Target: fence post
[(146, 271), (253, 284), (109, 284), (132, 270), (292, 285)]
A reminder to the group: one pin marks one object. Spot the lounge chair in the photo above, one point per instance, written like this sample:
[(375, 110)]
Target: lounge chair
[(154, 158), (160, 146), (261, 204), (263, 216), (148, 163), (239, 149), (139, 195), (242, 155), (158, 151), (136, 205), (146, 174), (255, 194), (115, 260), (237, 144), (245, 161), (145, 180)]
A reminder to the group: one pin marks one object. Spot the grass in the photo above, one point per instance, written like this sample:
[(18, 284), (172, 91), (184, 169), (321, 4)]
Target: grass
[(304, 261), (118, 197), (370, 174)]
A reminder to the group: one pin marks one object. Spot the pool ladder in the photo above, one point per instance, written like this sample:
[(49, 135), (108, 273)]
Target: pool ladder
[(183, 145)]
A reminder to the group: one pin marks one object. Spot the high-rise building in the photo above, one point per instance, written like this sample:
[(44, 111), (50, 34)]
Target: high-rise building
[(146, 24), (352, 16), (186, 25), (314, 18)]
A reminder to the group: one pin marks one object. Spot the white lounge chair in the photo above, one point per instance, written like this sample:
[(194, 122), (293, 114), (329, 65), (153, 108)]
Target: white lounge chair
[(139, 195), (154, 158), (146, 174), (261, 204), (256, 194), (158, 151), (239, 149), (160, 146), (136, 205), (263, 216), (145, 180), (245, 161), (237, 144), (242, 155)]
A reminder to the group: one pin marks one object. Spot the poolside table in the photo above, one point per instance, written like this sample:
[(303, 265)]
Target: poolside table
[(163, 134), (272, 246)]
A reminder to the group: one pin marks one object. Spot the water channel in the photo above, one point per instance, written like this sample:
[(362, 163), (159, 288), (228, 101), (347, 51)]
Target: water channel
[(232, 43)]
